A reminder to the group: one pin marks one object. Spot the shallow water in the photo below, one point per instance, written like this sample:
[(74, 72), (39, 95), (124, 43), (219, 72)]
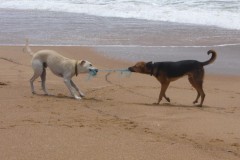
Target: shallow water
[(60, 28)]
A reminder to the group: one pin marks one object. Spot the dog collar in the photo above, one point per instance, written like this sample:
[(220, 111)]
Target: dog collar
[(76, 68), (152, 69)]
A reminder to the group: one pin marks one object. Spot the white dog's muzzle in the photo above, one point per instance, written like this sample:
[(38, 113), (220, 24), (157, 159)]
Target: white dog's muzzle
[(93, 71)]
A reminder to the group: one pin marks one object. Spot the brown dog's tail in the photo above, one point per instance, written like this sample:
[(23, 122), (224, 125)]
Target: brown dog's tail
[(27, 49), (212, 59)]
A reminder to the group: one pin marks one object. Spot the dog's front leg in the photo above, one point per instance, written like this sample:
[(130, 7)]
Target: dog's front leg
[(74, 85), (71, 89), (164, 87)]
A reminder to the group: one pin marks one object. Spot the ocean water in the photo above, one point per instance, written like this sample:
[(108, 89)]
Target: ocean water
[(220, 13), (132, 30)]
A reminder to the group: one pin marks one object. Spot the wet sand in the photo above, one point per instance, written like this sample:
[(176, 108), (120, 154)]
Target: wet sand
[(117, 118)]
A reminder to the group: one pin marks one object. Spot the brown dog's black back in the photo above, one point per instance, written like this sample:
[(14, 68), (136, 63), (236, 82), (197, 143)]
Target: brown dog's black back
[(179, 68), (176, 69)]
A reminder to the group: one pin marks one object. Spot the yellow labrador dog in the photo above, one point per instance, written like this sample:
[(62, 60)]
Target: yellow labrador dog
[(60, 66)]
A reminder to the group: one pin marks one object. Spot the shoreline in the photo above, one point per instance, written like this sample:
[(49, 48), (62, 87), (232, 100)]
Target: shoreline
[(131, 55)]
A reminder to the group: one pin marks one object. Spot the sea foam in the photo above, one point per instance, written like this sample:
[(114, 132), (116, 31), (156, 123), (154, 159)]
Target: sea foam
[(224, 14)]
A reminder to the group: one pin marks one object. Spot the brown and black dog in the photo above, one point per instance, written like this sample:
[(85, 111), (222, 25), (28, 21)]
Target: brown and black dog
[(165, 72)]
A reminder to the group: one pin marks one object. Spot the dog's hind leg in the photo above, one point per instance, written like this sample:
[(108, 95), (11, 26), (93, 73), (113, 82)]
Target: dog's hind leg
[(198, 83), (34, 77), (194, 86), (200, 91), (43, 78), (38, 69), (77, 89)]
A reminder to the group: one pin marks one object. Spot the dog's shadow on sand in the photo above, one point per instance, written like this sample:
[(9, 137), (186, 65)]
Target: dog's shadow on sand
[(58, 96), (62, 96), (170, 105)]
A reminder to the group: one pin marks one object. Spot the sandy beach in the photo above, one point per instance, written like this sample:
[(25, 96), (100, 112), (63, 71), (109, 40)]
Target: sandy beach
[(117, 119)]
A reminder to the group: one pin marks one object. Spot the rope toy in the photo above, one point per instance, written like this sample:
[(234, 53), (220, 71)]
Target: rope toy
[(123, 72)]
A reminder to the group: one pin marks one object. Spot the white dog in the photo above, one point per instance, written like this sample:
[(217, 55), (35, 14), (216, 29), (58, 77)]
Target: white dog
[(60, 66)]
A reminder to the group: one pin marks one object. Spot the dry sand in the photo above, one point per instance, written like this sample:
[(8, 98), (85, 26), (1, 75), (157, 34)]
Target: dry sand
[(117, 120)]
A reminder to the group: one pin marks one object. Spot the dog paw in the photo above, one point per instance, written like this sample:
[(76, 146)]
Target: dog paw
[(194, 102), (78, 98), (168, 99), (82, 95)]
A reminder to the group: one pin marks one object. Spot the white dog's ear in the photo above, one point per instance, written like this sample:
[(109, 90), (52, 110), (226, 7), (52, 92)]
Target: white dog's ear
[(82, 62)]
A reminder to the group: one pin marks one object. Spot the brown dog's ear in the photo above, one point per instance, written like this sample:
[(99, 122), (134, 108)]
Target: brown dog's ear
[(82, 62), (149, 65)]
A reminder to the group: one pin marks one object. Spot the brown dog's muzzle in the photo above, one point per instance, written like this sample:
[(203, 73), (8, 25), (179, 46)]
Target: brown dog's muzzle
[(131, 69)]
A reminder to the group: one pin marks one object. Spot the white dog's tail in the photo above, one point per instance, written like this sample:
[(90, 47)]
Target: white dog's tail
[(27, 49)]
